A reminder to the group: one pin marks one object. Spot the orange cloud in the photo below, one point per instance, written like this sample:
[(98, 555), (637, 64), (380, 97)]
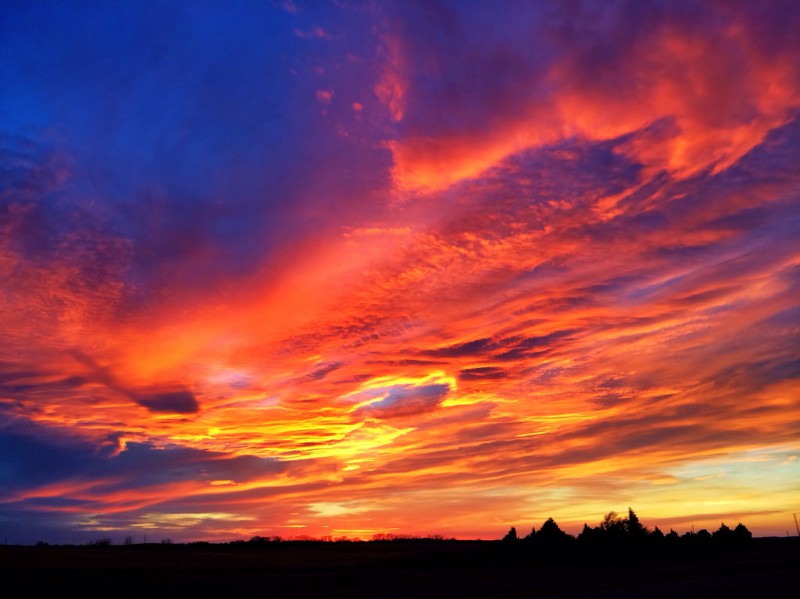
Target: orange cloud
[(721, 91)]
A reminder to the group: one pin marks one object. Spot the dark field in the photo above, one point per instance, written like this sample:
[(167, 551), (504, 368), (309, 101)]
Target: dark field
[(770, 568)]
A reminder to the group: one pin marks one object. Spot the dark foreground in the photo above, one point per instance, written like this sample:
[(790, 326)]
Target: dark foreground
[(770, 568)]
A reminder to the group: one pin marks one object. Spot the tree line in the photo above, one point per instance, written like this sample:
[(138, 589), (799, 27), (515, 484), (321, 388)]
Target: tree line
[(628, 535)]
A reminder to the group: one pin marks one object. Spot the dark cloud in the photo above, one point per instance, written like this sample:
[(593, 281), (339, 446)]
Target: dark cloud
[(24, 386), (321, 371), (704, 297), (477, 347), (473, 60), (606, 400), (407, 400), (521, 347), (29, 462), (504, 349), (744, 220), (784, 319), (539, 186), (482, 373), (407, 362), (178, 402), (754, 375), (32, 460), (145, 464), (359, 378)]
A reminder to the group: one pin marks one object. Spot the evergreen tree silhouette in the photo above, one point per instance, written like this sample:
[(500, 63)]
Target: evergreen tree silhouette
[(511, 535)]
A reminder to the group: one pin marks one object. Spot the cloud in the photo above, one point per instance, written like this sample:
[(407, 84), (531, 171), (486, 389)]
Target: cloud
[(322, 370), (509, 348), (179, 402), (468, 348), (406, 400), (600, 73), (482, 373), (42, 469), (550, 259)]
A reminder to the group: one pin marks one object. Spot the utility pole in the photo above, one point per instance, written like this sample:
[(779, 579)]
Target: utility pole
[(796, 525)]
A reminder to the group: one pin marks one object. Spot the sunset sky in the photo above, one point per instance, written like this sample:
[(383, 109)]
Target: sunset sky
[(356, 267)]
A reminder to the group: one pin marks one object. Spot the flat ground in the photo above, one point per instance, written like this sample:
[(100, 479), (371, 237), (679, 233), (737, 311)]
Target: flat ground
[(393, 570)]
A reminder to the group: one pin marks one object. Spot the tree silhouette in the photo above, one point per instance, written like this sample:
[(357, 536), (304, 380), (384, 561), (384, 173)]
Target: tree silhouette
[(723, 536), (634, 529), (550, 536), (629, 538), (511, 536), (613, 527), (741, 536)]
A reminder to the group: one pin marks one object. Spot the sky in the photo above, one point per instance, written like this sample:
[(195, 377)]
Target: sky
[(335, 269)]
